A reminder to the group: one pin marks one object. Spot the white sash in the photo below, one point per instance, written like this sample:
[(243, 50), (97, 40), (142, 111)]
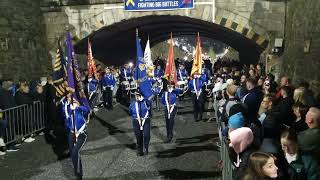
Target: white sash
[(195, 89), (168, 105), (141, 121), (180, 75), (125, 74)]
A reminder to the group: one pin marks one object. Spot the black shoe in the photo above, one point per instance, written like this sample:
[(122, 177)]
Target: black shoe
[(168, 140), (146, 152), (139, 153)]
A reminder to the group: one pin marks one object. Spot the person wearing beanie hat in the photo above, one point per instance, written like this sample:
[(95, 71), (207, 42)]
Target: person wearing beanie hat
[(236, 121), (196, 86), (240, 148)]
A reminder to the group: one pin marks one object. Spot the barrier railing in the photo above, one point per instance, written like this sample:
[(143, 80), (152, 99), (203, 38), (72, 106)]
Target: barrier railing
[(227, 168), (23, 120)]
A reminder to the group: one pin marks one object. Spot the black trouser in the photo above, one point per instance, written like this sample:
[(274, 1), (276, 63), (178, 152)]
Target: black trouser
[(3, 126), (198, 105), (107, 98), (170, 121), (142, 136), (75, 149)]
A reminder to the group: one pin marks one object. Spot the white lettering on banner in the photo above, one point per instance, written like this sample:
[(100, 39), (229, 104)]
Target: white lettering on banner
[(158, 4), (146, 5), (170, 3)]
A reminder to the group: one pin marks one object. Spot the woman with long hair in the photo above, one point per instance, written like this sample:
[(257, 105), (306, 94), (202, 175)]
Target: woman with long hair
[(261, 166)]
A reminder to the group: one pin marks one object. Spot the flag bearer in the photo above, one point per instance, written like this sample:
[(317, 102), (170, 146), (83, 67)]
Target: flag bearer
[(76, 124), (169, 101), (139, 112), (196, 85)]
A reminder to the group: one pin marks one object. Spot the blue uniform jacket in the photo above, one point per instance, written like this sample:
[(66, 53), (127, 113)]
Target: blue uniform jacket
[(182, 74), (108, 80), (92, 86), (199, 84), (146, 88), (143, 109), (80, 114), (172, 97), (126, 73), (158, 73), (205, 75)]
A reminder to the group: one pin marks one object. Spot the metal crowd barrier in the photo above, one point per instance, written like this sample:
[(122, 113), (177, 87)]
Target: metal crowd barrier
[(227, 167), (23, 120)]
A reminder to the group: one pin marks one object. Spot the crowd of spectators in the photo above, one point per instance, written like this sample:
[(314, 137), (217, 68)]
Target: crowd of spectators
[(272, 129)]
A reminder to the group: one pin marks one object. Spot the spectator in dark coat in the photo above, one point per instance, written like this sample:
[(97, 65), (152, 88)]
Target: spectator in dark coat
[(271, 126), (240, 148), (300, 110), (6, 97), (309, 140), (38, 95), (252, 100), (7, 101), (304, 167), (23, 96), (285, 107)]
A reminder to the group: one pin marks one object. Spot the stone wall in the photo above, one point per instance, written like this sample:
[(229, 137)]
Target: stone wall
[(303, 24), (23, 52)]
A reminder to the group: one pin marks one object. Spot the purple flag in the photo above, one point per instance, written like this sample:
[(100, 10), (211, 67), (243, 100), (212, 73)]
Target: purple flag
[(73, 75)]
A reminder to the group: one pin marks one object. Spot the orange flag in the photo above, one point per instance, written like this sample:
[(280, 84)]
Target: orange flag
[(197, 62), (91, 63), (171, 72)]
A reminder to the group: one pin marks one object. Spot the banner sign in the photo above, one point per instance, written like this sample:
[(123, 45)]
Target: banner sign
[(154, 5)]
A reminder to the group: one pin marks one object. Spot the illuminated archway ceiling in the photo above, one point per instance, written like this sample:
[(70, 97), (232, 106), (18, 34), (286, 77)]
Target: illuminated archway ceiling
[(115, 44)]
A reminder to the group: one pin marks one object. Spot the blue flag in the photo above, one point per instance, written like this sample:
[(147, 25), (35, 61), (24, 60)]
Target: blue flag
[(140, 71)]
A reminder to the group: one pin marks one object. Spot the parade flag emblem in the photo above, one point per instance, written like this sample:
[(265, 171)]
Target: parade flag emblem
[(140, 71), (130, 2)]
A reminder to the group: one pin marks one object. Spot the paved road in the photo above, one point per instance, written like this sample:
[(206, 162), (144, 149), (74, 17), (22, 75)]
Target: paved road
[(110, 151)]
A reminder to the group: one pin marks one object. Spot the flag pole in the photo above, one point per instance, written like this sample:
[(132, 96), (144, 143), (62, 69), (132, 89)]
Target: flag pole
[(72, 98)]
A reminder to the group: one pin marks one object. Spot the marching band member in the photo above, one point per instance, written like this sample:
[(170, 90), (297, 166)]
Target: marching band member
[(76, 123), (126, 73), (108, 83), (91, 86), (196, 86), (182, 76), (146, 87), (182, 73), (169, 101), (158, 72), (139, 112)]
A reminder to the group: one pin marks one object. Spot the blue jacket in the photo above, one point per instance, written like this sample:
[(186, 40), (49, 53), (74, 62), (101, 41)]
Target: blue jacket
[(142, 110), (146, 88), (108, 80), (253, 100), (199, 84), (80, 114), (126, 73), (172, 97), (205, 75), (92, 86), (182, 74), (158, 73)]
